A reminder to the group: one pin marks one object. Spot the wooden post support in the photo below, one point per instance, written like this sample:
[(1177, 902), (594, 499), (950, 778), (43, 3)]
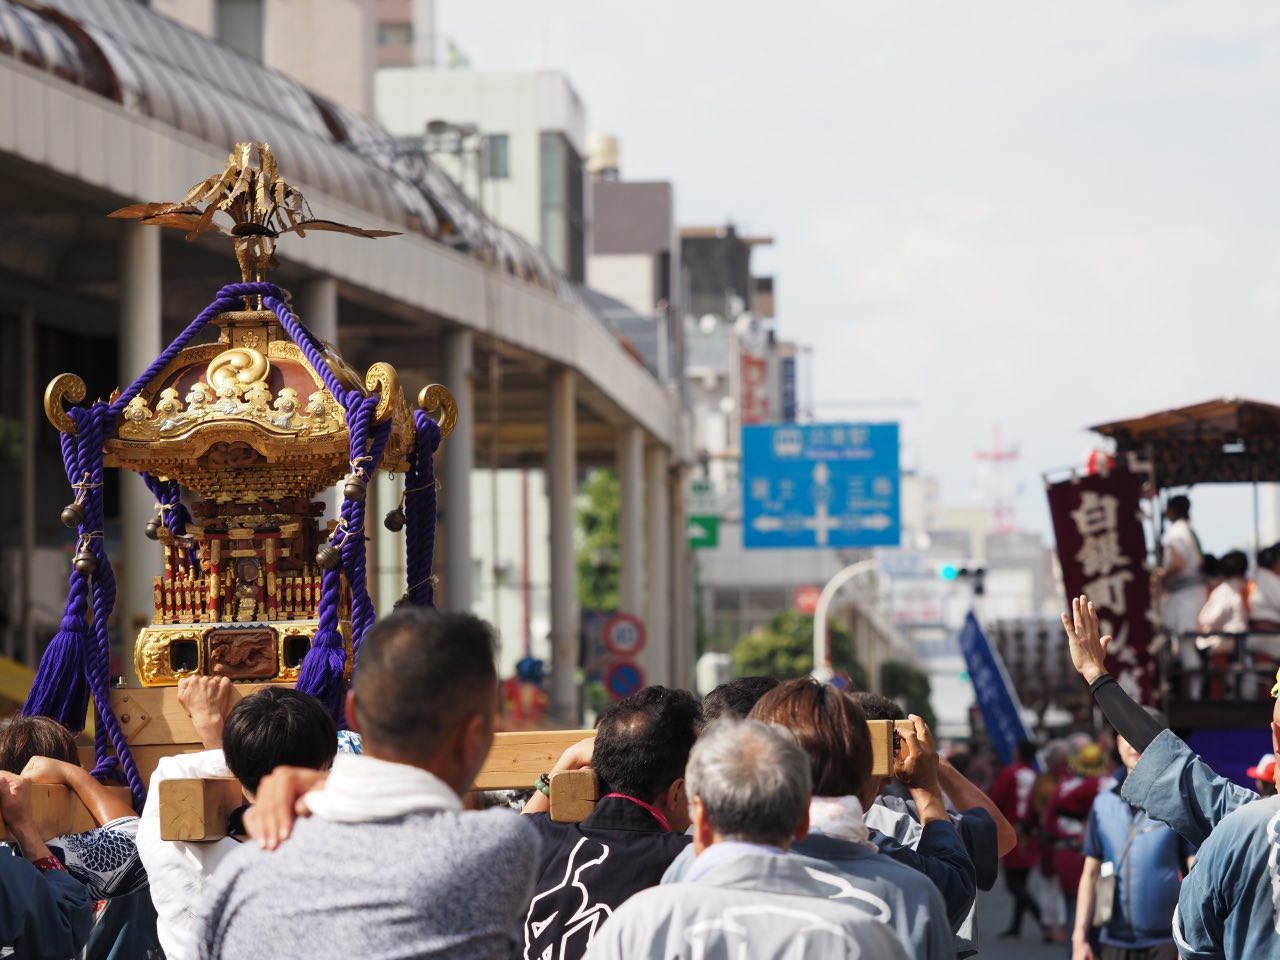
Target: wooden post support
[(573, 795), (197, 809)]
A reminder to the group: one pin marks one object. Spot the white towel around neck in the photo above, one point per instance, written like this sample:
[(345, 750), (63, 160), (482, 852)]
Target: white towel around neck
[(362, 788), (839, 817)]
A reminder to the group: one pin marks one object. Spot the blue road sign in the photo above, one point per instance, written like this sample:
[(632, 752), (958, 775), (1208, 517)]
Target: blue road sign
[(820, 485), (623, 679)]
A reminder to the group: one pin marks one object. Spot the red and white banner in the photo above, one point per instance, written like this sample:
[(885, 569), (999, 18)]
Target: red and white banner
[(1103, 548), (755, 389)]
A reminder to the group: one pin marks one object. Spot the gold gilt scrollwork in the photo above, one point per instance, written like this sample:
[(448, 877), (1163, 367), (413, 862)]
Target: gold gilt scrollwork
[(383, 379), (240, 365), (437, 397), (65, 386)]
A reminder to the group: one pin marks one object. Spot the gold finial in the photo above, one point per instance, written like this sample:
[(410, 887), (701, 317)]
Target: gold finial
[(262, 207)]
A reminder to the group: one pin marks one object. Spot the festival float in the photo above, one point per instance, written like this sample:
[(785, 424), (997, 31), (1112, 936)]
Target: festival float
[(238, 435)]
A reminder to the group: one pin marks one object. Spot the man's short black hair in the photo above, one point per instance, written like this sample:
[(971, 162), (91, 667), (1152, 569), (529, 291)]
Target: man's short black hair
[(1179, 506), (420, 674), (276, 727), (643, 742), (1026, 751), (877, 707), (1234, 564), (735, 699)]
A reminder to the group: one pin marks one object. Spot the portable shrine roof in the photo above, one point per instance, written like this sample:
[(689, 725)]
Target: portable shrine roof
[(1219, 441)]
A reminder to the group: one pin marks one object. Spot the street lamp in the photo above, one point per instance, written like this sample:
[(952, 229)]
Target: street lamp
[(821, 647)]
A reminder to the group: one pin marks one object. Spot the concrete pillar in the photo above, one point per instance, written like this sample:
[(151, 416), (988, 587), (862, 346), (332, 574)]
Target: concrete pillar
[(562, 482), (631, 520), (26, 640), (317, 307), (657, 653), (389, 581), (682, 599), (458, 457), (140, 344)]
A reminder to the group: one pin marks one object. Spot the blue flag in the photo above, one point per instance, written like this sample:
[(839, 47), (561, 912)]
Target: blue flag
[(998, 701)]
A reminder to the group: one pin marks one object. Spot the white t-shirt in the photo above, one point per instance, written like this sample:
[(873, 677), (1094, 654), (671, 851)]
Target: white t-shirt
[(1225, 610), (1179, 538), (179, 871)]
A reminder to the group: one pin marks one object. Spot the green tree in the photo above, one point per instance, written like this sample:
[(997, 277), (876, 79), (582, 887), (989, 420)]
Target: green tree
[(910, 685), (784, 648), (599, 506)]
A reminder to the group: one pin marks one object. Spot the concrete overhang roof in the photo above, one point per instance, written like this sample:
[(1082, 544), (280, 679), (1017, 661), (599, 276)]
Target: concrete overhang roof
[(99, 153)]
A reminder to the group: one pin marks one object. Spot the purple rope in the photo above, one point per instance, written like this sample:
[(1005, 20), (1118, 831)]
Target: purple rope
[(310, 346), (174, 512), (420, 511), (323, 669), (71, 664)]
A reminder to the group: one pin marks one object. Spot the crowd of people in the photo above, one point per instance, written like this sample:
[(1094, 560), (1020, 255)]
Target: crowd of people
[(1214, 610), (747, 824)]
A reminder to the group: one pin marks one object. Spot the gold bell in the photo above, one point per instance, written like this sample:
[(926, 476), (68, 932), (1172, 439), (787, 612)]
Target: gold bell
[(73, 515), (328, 557), (394, 520), (152, 529), (355, 487), (86, 563)]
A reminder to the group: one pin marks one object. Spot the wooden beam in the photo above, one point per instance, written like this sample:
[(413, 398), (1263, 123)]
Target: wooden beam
[(518, 759), (196, 809), (153, 715), (58, 811)]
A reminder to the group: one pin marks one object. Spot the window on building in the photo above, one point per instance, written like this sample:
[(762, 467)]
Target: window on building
[(497, 163), (240, 26), (563, 206), (389, 33)]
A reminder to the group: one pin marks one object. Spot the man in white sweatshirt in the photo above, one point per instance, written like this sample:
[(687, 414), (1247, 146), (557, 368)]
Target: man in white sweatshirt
[(275, 726)]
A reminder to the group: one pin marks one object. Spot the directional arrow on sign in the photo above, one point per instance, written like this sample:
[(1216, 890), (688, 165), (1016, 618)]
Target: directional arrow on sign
[(703, 533)]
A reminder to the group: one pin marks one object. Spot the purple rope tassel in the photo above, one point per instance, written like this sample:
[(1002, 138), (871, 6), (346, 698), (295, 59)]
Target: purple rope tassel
[(420, 511)]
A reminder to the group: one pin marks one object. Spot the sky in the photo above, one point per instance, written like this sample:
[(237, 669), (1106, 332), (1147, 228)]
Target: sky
[(1042, 216)]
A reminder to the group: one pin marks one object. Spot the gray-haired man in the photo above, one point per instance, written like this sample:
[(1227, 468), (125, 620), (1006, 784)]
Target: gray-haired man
[(749, 786)]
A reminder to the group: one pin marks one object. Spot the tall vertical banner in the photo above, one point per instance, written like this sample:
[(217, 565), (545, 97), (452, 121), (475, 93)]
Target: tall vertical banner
[(754, 402), (1102, 548), (998, 701)]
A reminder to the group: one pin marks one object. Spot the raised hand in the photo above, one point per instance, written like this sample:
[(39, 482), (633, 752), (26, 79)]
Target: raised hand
[(1084, 639), (278, 802), (205, 699)]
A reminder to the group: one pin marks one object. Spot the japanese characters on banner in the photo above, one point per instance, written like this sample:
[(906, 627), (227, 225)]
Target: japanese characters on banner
[(1102, 548)]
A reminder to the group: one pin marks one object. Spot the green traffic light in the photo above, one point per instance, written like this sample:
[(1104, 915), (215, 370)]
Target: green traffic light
[(949, 571)]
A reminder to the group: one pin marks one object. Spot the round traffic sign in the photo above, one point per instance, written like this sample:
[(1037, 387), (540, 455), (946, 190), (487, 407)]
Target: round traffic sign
[(623, 635), (623, 679)]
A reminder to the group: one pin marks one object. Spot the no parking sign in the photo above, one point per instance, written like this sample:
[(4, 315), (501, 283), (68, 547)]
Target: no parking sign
[(623, 679)]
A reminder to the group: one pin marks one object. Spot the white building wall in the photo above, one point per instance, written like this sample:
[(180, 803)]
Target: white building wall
[(628, 277), (332, 53), (330, 50), (519, 104)]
